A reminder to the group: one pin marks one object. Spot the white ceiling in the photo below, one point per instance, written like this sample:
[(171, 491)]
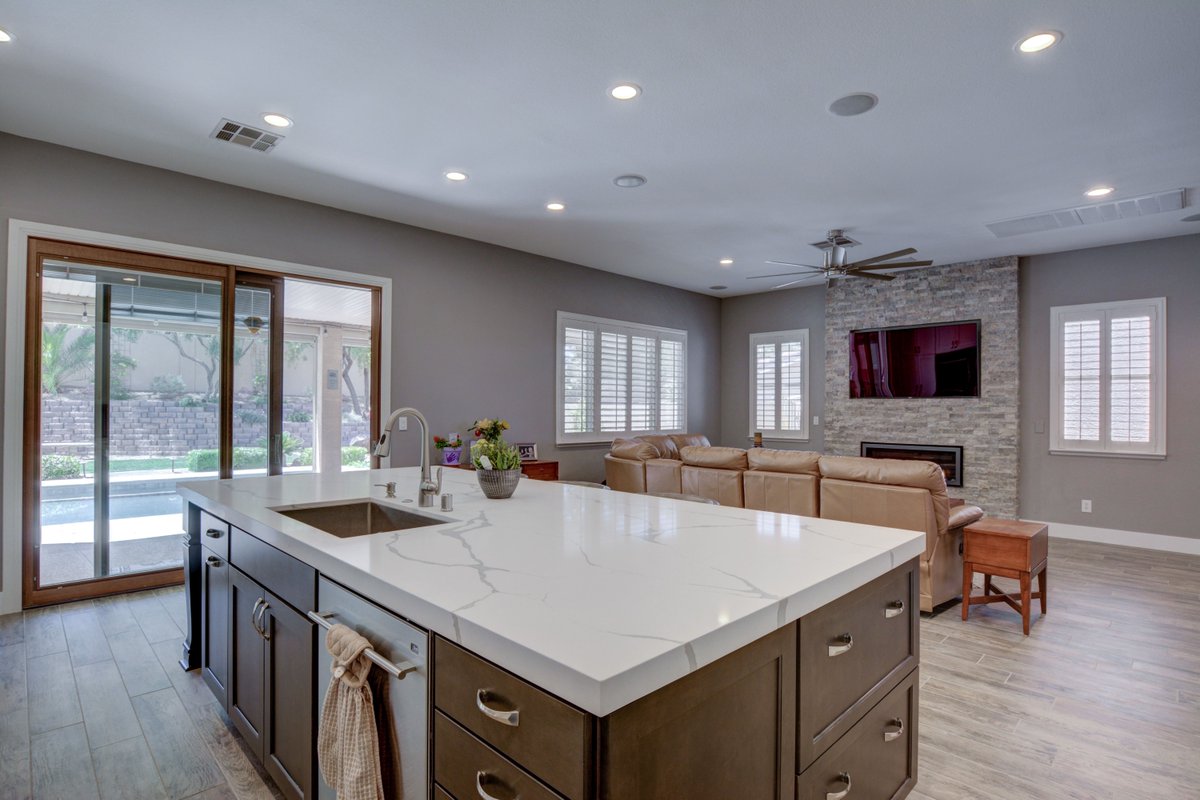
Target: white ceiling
[(743, 159)]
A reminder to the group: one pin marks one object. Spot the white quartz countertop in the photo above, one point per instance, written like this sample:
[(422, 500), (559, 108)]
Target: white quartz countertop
[(599, 597)]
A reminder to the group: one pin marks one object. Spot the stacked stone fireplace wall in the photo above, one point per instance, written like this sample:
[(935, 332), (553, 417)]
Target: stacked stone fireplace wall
[(985, 426)]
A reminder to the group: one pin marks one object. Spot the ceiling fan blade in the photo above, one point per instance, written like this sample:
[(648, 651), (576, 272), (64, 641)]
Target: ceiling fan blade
[(871, 275), (908, 251), (894, 265), (792, 264), (783, 274), (789, 283)]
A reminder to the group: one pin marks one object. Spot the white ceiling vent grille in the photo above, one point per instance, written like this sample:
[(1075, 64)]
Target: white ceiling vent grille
[(229, 131), (1089, 215)]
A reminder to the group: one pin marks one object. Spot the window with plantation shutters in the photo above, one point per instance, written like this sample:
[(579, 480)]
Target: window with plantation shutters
[(618, 379), (779, 384), (1107, 378)]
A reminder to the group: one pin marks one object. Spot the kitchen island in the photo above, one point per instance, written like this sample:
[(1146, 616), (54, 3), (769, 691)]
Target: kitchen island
[(652, 647)]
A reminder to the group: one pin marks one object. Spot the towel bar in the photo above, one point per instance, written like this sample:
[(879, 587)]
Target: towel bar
[(397, 670)]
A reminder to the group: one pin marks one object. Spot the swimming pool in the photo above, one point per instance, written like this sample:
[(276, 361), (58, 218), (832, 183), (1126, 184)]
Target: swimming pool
[(58, 512)]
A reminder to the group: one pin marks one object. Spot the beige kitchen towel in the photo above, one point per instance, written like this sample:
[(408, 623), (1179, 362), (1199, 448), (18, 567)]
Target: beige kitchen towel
[(347, 742)]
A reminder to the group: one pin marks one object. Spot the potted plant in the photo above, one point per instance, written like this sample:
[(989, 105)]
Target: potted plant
[(489, 429), (497, 463), (450, 447)]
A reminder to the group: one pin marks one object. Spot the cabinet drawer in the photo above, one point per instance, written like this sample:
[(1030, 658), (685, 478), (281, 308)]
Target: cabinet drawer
[(549, 737), (852, 652), (290, 579), (469, 768), (214, 534), (440, 794), (876, 760)]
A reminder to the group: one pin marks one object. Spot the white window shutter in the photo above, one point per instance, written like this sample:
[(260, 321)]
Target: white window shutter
[(779, 384)]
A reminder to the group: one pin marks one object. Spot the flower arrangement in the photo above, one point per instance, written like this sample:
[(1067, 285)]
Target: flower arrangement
[(489, 429), (494, 454), (442, 442)]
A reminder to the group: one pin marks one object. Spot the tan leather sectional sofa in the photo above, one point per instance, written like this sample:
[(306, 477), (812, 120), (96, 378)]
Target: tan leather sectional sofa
[(890, 492)]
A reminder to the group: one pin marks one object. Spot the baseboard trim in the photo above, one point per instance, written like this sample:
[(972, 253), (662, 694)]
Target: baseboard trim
[(1147, 541)]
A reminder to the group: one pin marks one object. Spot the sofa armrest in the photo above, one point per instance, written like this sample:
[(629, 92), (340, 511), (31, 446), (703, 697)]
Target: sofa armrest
[(961, 516)]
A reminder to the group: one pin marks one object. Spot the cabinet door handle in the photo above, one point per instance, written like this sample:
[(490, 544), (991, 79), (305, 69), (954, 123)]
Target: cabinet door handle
[(262, 628), (891, 736), (254, 615), (846, 642), (844, 778), (480, 777), (214, 533), (894, 609), (213, 561), (512, 717)]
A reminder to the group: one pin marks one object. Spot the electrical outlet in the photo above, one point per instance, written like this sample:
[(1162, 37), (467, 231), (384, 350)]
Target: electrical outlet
[(1039, 426), (402, 424), (1086, 506)]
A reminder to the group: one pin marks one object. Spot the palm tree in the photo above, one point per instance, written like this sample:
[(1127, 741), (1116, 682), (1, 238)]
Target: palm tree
[(64, 358)]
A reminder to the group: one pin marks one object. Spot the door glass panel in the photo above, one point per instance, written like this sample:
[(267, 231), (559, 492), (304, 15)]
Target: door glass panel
[(129, 385), (336, 384), (251, 380)]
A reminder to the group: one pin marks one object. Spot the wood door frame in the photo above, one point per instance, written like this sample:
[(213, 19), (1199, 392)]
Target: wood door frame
[(38, 251)]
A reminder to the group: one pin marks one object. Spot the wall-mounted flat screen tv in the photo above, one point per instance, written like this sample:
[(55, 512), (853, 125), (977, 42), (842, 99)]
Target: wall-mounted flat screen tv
[(940, 360)]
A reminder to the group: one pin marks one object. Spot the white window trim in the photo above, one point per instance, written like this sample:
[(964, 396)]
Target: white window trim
[(599, 324), (1157, 446), (778, 337)]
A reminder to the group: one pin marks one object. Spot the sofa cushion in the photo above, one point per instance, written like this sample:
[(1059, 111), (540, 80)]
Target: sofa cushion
[(894, 471), (801, 462), (682, 440), (663, 444), (633, 450), (714, 457)]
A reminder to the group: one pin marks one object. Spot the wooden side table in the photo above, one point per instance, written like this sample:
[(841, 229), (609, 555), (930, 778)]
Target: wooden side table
[(1010, 549), (540, 470)]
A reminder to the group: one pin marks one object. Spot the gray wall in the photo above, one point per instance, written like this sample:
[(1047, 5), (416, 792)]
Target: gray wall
[(1127, 494), (473, 324), (985, 426), (785, 310)]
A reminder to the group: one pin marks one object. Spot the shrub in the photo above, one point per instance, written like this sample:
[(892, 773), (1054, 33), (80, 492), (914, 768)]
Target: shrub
[(243, 458), (304, 458), (299, 416), (355, 457), (61, 467), (250, 417), (191, 401), (168, 385), (202, 461)]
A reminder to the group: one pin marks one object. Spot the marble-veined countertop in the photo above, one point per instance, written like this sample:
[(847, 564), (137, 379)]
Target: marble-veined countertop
[(599, 597)]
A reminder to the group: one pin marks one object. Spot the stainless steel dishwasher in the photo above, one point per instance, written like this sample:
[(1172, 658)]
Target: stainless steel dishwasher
[(403, 721)]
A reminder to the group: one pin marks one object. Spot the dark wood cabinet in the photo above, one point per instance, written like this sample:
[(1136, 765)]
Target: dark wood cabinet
[(247, 686), (288, 736), (215, 619)]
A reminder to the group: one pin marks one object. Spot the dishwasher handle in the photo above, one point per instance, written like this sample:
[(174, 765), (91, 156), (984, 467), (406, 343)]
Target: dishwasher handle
[(395, 670)]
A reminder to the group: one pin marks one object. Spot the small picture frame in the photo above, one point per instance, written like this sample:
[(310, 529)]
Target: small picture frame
[(528, 451)]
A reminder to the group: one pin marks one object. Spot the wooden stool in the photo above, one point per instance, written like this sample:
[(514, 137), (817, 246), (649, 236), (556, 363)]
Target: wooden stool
[(1010, 549)]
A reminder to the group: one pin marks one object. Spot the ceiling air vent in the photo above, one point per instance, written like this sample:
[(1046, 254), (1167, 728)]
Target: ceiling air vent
[(1089, 215), (237, 133)]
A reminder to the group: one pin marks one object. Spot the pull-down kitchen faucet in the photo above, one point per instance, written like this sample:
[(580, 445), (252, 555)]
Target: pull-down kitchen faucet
[(428, 489)]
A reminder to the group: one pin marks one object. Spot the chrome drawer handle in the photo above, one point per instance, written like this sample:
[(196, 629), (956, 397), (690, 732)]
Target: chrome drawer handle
[(213, 561), (480, 777), (891, 736), (214, 533), (894, 609), (847, 641), (259, 622), (844, 778), (511, 718)]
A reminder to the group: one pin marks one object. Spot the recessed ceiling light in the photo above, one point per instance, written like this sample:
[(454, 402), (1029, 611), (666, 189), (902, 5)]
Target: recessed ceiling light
[(5, 36), (718, 288), (725, 262), (277, 120), (625, 91), (1099, 191), (1039, 41), (629, 181), (853, 104), (555, 206), (455, 175)]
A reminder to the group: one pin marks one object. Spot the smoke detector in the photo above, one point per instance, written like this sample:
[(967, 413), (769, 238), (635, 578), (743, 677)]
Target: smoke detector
[(236, 133)]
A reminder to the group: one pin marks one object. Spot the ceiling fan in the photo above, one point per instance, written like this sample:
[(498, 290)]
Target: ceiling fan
[(836, 266)]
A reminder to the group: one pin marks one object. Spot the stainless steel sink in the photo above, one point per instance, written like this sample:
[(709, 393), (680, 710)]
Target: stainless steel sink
[(357, 518)]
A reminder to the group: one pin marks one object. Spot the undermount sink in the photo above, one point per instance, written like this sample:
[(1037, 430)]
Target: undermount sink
[(358, 518)]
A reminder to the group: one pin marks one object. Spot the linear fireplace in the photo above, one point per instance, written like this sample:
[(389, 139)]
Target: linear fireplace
[(948, 457)]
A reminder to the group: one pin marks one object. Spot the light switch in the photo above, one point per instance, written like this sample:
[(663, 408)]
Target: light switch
[(1039, 426), (402, 424), (816, 420), (331, 379)]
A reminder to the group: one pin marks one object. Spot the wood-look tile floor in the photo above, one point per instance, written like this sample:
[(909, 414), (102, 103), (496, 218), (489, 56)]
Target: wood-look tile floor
[(1101, 701)]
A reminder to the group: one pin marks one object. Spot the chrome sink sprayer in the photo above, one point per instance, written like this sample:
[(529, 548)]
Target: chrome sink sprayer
[(428, 489)]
